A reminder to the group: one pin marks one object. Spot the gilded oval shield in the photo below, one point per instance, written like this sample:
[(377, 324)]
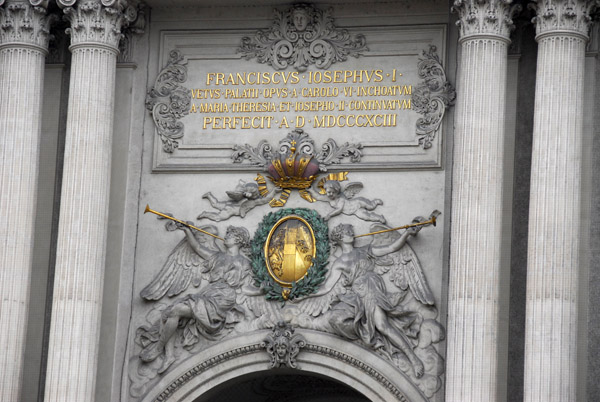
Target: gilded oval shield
[(290, 250)]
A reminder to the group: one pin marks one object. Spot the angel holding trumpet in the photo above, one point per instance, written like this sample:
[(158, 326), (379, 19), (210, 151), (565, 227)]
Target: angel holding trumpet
[(212, 310), (355, 297)]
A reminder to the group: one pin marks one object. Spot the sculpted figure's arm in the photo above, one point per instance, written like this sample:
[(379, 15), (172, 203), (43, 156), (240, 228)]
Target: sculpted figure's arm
[(196, 246), (397, 244), (338, 209), (334, 277)]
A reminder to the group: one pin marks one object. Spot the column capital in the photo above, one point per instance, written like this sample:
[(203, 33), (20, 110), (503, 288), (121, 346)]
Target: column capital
[(568, 17), (98, 23), (485, 18), (25, 23)]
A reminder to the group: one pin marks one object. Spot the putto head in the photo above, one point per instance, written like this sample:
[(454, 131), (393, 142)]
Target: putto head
[(332, 188)]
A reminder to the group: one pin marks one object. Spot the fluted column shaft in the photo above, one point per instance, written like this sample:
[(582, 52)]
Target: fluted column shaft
[(23, 48), (81, 247), (473, 294), (555, 203)]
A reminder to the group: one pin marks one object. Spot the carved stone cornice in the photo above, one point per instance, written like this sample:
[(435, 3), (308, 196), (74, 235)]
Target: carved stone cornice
[(571, 17), (98, 22), (25, 23), (485, 18)]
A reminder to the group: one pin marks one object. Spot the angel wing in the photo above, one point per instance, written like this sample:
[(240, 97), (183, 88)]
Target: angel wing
[(317, 305), (261, 307), (235, 195), (352, 189), (183, 266), (404, 267)]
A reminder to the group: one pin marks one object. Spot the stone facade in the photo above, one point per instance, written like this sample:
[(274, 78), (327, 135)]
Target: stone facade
[(302, 149)]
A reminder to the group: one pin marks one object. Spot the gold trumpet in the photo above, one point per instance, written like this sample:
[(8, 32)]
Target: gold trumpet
[(432, 220), (182, 222)]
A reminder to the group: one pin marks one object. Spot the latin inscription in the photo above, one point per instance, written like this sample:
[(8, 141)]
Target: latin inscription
[(315, 99)]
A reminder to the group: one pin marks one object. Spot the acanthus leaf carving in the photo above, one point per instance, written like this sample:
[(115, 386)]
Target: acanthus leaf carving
[(136, 16), (566, 15), (261, 155), (25, 22), (98, 22), (301, 36), (431, 97), (169, 101), (297, 150), (485, 17), (300, 142), (331, 153)]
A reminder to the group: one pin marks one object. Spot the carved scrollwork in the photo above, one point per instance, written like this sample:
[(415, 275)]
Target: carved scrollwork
[(431, 97), (300, 141), (261, 155), (283, 345), (169, 101), (331, 153), (301, 36)]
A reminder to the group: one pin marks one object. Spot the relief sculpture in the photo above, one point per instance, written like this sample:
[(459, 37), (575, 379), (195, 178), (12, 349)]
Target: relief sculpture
[(299, 270), (301, 36)]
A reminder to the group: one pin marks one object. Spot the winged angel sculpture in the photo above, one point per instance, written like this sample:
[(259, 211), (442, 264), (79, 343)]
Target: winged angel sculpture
[(355, 303), (375, 293), (225, 298), (343, 200)]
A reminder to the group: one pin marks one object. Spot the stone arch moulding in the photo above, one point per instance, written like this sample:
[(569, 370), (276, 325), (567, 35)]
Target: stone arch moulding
[(323, 354)]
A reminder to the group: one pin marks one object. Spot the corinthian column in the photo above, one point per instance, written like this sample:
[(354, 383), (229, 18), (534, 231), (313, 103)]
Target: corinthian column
[(77, 300), (473, 294), (555, 201), (23, 48)]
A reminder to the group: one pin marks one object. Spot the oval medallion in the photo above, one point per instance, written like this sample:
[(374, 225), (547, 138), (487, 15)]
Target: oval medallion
[(290, 250)]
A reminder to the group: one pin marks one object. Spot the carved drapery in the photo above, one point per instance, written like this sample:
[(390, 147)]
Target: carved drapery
[(553, 258), (473, 293), (24, 28)]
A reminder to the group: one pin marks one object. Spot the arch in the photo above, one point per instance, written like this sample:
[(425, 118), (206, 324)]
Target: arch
[(324, 354)]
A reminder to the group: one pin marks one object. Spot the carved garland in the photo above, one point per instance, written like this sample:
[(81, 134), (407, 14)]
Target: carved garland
[(168, 101), (431, 97), (315, 275)]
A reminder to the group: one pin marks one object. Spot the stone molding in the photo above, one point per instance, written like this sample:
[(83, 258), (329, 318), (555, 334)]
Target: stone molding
[(485, 18), (173, 386), (98, 23), (566, 17), (25, 24)]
